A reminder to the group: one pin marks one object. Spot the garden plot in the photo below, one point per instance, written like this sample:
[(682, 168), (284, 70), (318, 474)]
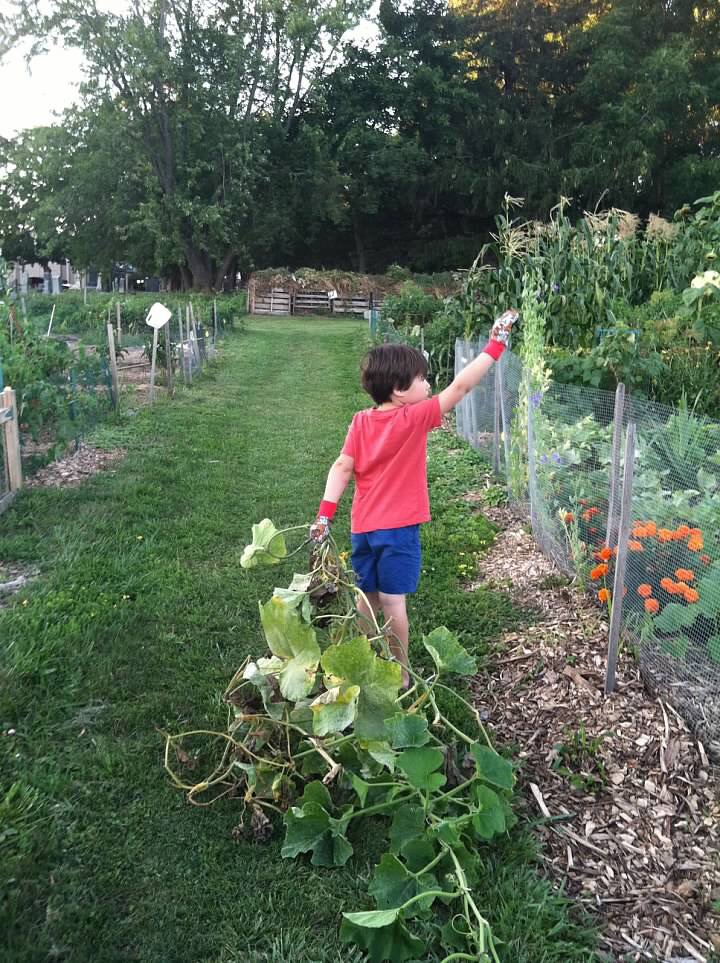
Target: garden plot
[(627, 796)]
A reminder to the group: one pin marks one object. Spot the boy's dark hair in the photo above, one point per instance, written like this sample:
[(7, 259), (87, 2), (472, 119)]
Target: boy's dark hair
[(388, 367)]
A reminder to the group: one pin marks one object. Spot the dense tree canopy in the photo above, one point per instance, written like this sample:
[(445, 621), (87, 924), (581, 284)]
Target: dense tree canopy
[(223, 134)]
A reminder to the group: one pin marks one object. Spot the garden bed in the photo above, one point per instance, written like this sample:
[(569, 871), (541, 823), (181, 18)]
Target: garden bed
[(626, 796)]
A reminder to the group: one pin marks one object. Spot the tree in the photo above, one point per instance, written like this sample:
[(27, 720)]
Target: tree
[(644, 114), (202, 90)]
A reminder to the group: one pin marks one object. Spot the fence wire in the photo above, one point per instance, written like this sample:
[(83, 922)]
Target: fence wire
[(560, 449)]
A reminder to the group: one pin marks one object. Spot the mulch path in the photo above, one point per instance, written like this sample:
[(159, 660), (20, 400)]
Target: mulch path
[(74, 469), (625, 795)]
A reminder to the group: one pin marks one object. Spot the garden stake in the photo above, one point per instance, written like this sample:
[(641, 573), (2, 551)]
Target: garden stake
[(113, 366), (625, 525), (168, 362), (611, 537)]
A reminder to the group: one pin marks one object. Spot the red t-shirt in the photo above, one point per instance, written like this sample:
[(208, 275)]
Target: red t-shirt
[(389, 449)]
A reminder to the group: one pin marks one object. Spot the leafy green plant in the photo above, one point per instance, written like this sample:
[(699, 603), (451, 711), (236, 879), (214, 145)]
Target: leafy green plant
[(320, 735), (411, 306), (578, 759)]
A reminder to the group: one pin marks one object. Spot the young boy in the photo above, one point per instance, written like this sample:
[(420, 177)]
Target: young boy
[(385, 449)]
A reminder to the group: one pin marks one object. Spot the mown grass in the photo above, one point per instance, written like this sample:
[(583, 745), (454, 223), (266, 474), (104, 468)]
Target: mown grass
[(139, 618)]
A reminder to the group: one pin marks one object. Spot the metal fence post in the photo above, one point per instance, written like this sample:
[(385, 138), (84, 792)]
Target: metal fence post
[(503, 412), (612, 523), (496, 421), (621, 559)]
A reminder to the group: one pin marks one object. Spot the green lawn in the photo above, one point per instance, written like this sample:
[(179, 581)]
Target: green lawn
[(139, 618)]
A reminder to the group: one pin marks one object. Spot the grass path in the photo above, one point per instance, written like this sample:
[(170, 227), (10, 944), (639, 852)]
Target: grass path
[(140, 617)]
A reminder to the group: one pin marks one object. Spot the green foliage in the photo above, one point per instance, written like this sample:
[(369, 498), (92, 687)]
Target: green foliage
[(411, 306), (73, 316), (382, 751), (58, 390)]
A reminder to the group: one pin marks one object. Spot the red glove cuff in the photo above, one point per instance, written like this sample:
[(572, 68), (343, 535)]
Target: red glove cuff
[(327, 509), (494, 349)]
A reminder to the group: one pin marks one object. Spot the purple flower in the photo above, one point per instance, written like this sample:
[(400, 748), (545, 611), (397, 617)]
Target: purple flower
[(555, 288), (544, 459), (536, 398), (556, 458)]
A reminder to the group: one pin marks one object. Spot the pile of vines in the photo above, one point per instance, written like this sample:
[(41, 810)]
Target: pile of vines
[(320, 734)]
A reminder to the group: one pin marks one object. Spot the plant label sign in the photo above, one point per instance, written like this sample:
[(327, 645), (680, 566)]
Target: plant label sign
[(158, 316)]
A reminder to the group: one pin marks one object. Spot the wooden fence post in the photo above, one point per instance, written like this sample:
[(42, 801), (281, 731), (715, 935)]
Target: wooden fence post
[(12, 440), (191, 354), (621, 559), (181, 346), (168, 361), (113, 366), (152, 364), (214, 322), (119, 326), (612, 522)]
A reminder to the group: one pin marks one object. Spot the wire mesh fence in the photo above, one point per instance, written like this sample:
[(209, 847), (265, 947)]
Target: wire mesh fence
[(624, 495)]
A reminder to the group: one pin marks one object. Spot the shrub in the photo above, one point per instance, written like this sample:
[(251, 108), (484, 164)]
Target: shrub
[(411, 306)]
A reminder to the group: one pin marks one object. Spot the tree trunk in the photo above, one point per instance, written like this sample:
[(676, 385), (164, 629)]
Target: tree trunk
[(227, 266), (359, 245)]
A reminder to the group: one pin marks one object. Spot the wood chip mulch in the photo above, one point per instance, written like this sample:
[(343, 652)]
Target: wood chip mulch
[(74, 469), (625, 796)]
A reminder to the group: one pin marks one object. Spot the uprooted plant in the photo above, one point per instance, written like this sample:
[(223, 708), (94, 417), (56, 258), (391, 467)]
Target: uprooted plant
[(320, 735)]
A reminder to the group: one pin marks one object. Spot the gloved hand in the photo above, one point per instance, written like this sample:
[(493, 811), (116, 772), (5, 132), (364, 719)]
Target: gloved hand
[(320, 529), (503, 326)]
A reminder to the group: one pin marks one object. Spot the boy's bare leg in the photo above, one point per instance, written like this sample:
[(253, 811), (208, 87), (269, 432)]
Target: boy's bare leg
[(367, 613), (395, 612)]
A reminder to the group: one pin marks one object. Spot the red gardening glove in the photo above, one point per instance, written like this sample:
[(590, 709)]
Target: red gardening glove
[(320, 529), (500, 333)]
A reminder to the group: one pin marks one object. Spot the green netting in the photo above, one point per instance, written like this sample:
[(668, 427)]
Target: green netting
[(554, 448)]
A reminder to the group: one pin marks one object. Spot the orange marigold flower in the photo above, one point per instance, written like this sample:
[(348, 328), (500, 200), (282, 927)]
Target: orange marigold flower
[(639, 531), (705, 559), (691, 595), (598, 572), (644, 590), (594, 510), (604, 595), (682, 531), (605, 553), (593, 531), (586, 516), (652, 606), (684, 574), (667, 584), (635, 546), (696, 532), (696, 544), (582, 501), (569, 518), (651, 529), (665, 535), (680, 588)]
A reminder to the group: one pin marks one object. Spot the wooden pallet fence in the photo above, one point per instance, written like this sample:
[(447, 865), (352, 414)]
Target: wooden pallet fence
[(311, 302), (276, 301), (280, 301), (12, 466)]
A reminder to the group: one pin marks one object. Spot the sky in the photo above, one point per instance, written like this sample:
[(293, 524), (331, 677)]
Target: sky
[(31, 95), (31, 98)]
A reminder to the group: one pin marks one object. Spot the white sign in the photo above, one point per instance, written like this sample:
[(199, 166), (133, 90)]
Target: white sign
[(332, 295), (158, 316)]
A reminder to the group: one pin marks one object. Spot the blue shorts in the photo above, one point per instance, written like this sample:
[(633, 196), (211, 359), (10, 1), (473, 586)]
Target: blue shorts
[(387, 560)]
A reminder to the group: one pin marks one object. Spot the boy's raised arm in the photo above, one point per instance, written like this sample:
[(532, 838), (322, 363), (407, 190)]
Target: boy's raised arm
[(474, 372)]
